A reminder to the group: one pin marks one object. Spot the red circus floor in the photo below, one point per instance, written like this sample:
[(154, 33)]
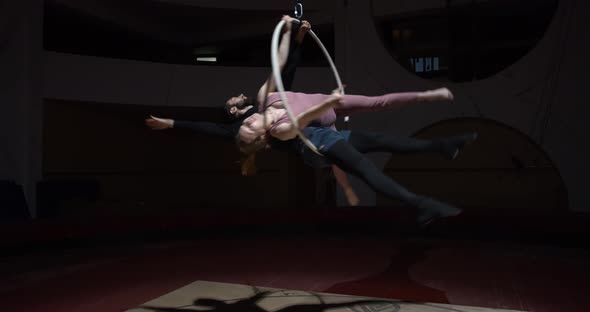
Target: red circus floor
[(116, 277)]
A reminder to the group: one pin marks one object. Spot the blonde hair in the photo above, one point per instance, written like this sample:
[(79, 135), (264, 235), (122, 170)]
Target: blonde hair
[(248, 154), (248, 165)]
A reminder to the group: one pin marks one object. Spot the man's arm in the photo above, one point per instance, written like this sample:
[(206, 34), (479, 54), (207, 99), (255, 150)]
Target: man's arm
[(222, 131), (294, 57)]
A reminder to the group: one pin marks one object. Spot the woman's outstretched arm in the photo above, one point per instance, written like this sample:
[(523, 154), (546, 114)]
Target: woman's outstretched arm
[(270, 84)]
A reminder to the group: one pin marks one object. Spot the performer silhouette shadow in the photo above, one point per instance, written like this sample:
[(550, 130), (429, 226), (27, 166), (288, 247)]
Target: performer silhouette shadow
[(250, 305)]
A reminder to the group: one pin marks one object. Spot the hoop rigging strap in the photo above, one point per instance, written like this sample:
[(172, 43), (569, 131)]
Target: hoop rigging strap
[(298, 10), (274, 55)]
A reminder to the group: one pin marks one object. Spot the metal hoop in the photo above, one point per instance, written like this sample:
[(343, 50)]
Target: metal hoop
[(274, 56)]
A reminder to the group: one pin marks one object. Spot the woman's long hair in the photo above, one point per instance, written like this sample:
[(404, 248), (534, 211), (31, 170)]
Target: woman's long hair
[(248, 153), (249, 150)]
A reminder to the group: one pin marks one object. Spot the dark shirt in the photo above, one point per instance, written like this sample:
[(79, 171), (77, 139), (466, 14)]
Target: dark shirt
[(224, 131)]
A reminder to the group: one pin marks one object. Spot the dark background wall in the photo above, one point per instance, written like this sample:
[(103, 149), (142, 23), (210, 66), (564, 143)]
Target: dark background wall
[(101, 160), (511, 176), (79, 117)]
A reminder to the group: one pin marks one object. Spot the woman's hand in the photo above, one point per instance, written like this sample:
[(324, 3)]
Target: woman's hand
[(338, 91), (156, 123), (336, 96), (288, 22)]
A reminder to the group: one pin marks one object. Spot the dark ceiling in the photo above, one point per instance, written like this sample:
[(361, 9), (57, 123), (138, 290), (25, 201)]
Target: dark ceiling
[(471, 40), (165, 32)]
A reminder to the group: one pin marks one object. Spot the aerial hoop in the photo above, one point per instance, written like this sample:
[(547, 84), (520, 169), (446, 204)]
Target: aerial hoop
[(274, 56)]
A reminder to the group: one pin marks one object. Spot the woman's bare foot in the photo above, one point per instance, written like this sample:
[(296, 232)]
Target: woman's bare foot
[(441, 94)]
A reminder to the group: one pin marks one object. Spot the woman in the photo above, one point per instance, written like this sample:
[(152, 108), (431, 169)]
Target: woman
[(316, 115), (346, 149), (322, 110)]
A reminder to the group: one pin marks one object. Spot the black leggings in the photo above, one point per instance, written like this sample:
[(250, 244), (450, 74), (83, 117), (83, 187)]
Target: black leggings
[(367, 141), (348, 155)]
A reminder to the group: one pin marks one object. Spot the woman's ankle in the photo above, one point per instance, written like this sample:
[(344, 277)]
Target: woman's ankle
[(441, 94)]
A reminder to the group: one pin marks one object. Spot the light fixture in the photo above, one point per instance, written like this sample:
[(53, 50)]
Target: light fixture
[(211, 59)]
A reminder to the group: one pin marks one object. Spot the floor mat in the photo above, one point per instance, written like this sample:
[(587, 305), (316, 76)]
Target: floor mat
[(223, 297)]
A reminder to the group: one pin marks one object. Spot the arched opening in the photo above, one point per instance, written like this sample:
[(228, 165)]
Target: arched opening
[(503, 171), (461, 40)]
